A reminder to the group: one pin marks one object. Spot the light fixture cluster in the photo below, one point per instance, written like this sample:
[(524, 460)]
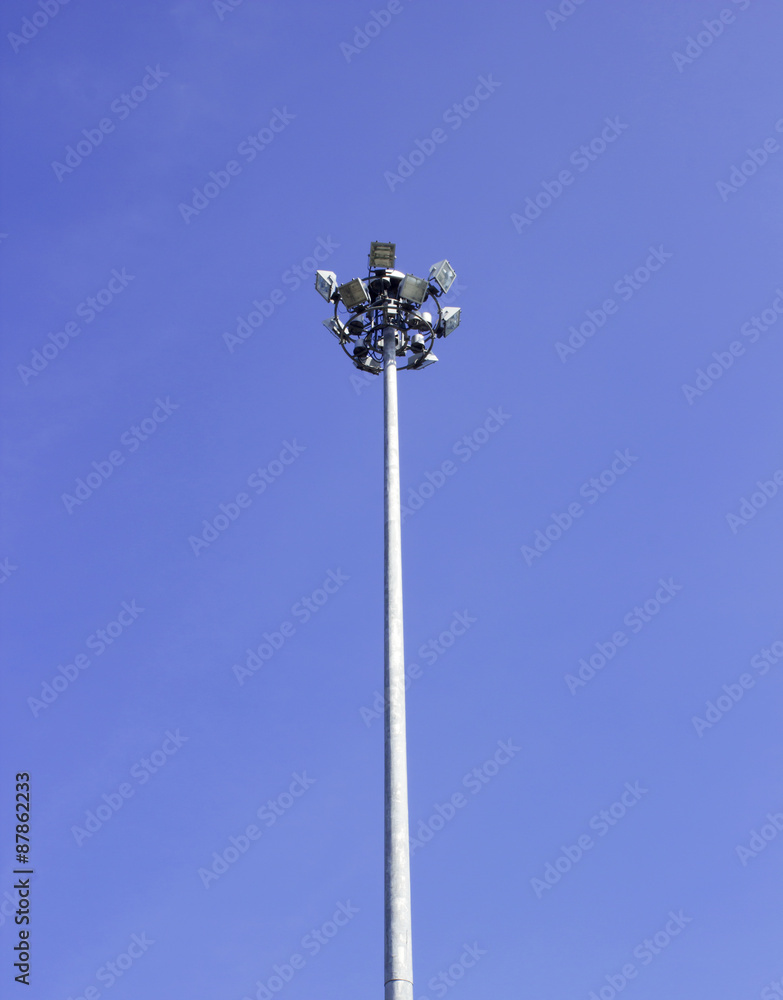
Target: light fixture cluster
[(389, 298)]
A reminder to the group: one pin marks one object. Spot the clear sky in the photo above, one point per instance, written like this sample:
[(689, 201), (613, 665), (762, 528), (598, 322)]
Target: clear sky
[(192, 516)]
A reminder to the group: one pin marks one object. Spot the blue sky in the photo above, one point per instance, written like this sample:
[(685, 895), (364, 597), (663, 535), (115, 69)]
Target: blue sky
[(592, 600)]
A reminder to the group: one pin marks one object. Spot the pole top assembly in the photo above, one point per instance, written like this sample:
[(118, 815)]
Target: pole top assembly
[(389, 298)]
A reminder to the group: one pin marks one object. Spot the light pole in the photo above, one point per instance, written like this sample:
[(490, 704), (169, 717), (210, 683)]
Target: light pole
[(384, 322)]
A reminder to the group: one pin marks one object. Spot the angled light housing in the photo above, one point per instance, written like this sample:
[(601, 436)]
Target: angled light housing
[(337, 328), (449, 321), (420, 321), (414, 289), (353, 293), (443, 274), (382, 255), (417, 361), (368, 365), (326, 283)]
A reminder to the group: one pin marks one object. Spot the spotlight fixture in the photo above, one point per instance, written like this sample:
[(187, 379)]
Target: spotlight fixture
[(449, 320), (325, 284), (337, 328), (414, 289), (422, 360), (382, 255), (443, 274), (353, 293), (420, 321)]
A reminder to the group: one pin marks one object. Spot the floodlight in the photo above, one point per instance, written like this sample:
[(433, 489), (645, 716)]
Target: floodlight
[(337, 328), (325, 283), (420, 321), (422, 362), (418, 342), (414, 289), (368, 365), (353, 293), (443, 274), (382, 254), (449, 321)]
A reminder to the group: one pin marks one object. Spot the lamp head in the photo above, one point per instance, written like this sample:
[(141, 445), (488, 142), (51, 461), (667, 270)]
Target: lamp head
[(449, 321), (382, 255), (325, 284), (414, 289), (443, 274), (353, 293), (422, 360)]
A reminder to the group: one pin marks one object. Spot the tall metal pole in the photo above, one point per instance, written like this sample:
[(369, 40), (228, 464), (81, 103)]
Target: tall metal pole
[(397, 883), (386, 317)]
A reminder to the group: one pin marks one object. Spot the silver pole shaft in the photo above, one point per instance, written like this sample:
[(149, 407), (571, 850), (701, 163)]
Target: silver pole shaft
[(397, 883)]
